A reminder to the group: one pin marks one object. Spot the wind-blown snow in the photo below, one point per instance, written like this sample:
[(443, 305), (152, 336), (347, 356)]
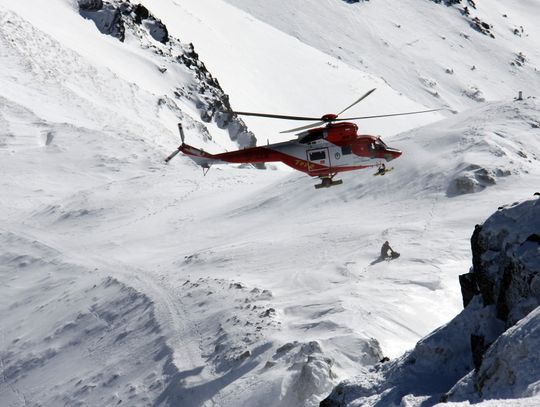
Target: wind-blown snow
[(244, 287)]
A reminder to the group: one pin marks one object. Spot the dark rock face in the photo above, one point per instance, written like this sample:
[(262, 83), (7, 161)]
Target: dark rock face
[(509, 368), (157, 30), (107, 18), (447, 2), (469, 287), (478, 347), (505, 277), (506, 270), (482, 26), (112, 16), (141, 13), (90, 5)]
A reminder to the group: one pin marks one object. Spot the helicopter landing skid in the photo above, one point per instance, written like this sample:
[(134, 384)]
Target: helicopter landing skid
[(327, 182)]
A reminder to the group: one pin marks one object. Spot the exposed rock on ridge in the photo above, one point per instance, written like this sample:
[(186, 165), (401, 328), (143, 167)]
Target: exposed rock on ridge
[(118, 17)]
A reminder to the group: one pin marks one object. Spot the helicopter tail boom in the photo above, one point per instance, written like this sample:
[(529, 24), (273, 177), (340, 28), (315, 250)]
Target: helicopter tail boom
[(200, 157)]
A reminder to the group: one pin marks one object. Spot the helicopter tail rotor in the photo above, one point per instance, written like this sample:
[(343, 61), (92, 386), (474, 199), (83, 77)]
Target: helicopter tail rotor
[(179, 148), (181, 131)]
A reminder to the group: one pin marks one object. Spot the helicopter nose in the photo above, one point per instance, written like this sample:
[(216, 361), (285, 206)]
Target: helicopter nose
[(391, 154)]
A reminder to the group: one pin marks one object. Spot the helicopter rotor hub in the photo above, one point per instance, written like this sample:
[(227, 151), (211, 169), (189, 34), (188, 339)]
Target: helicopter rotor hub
[(330, 117)]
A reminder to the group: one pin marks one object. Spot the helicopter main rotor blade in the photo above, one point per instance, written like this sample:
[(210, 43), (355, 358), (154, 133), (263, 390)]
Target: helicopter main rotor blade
[(387, 115), (277, 116), (309, 126), (358, 101)]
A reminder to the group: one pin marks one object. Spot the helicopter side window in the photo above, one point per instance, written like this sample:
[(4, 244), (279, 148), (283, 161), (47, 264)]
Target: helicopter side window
[(317, 156), (346, 150)]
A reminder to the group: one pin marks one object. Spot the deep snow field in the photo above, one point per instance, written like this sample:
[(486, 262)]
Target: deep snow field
[(125, 281)]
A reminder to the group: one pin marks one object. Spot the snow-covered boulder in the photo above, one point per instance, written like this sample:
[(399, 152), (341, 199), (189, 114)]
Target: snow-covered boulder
[(473, 350)]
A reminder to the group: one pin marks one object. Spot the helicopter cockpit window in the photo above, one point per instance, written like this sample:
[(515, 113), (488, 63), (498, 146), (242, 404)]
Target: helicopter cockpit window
[(311, 137), (346, 150), (317, 156), (375, 146)]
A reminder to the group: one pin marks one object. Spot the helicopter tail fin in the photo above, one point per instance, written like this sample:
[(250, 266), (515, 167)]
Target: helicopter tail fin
[(200, 157)]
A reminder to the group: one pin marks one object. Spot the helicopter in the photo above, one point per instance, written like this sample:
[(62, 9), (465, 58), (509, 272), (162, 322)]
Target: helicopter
[(321, 152)]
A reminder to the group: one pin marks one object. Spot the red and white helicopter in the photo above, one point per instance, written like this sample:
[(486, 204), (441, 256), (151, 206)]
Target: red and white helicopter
[(320, 152)]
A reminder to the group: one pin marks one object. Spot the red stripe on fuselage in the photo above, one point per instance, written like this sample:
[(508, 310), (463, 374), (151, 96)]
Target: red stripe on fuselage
[(263, 154)]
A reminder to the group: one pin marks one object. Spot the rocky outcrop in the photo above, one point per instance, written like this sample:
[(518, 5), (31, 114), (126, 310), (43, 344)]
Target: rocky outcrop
[(465, 8), (118, 17), (479, 354), (506, 261), (509, 368), (107, 17), (475, 178), (90, 5)]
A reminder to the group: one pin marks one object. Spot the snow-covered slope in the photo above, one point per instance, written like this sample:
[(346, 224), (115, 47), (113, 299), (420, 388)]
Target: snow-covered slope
[(69, 335), (152, 284), (424, 48)]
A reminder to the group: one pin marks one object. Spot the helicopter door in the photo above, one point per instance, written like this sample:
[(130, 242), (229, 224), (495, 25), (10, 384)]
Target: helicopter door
[(318, 156)]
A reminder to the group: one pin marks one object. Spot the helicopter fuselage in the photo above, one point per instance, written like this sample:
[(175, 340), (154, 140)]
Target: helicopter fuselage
[(321, 152)]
